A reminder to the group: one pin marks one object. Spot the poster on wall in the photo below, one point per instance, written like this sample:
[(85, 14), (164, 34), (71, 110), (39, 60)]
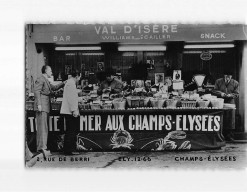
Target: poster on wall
[(168, 81), (177, 75), (159, 78), (86, 74), (100, 66), (83, 67), (151, 64), (137, 83), (68, 69)]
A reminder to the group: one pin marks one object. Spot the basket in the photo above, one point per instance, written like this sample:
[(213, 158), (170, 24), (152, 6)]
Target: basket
[(107, 106), (29, 105), (84, 106), (171, 103), (133, 102), (95, 106), (119, 104), (157, 103), (217, 103), (56, 105), (203, 103), (188, 104), (146, 101)]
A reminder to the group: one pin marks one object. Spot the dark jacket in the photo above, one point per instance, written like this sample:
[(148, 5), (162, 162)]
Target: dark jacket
[(228, 88), (115, 85)]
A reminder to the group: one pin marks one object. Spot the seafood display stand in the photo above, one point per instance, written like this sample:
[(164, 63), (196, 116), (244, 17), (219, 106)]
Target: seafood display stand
[(150, 129)]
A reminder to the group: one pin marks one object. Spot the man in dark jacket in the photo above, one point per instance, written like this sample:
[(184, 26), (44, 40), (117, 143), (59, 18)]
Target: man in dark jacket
[(111, 84), (228, 89)]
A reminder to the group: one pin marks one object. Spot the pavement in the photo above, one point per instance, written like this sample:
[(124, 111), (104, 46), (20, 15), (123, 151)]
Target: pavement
[(231, 157)]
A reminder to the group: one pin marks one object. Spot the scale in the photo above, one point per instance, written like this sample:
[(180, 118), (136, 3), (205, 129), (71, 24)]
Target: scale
[(199, 78)]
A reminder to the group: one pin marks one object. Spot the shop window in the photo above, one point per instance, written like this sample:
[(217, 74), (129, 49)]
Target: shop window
[(86, 62), (157, 63), (221, 59)]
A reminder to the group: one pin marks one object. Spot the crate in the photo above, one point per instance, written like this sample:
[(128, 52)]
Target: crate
[(29, 105)]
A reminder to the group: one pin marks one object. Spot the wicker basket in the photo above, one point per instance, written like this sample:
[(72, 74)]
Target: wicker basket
[(107, 106), (157, 103), (188, 104), (171, 103), (203, 103), (29, 105), (119, 104), (146, 101), (217, 103), (133, 102), (84, 106), (95, 106)]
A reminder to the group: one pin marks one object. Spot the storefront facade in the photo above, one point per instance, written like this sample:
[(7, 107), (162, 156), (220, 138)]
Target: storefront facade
[(191, 48)]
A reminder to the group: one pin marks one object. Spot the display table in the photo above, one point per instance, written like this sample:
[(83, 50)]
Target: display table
[(136, 130)]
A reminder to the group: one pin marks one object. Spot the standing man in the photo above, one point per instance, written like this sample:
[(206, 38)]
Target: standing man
[(42, 106), (70, 110), (228, 89)]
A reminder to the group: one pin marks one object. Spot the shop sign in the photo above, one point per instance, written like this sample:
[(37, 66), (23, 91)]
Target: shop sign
[(135, 33), (146, 131), (105, 123), (206, 55)]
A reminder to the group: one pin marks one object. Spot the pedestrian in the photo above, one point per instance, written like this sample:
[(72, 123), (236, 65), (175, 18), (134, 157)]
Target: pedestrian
[(42, 105), (70, 110)]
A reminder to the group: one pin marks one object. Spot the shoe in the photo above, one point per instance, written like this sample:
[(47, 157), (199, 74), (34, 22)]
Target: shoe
[(45, 152), (34, 159), (71, 153)]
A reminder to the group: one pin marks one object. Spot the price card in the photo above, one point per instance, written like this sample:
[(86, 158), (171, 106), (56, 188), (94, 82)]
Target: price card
[(177, 85)]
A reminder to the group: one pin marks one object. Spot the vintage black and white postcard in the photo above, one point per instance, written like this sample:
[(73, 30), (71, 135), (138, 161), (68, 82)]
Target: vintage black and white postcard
[(123, 95), (196, 122)]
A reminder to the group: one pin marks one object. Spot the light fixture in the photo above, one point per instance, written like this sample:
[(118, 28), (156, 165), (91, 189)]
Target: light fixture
[(210, 51), (89, 48), (141, 48), (208, 46)]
